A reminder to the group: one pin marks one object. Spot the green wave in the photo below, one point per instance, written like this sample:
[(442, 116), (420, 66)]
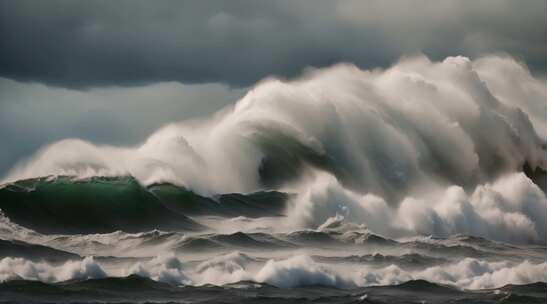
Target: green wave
[(97, 205), (106, 204)]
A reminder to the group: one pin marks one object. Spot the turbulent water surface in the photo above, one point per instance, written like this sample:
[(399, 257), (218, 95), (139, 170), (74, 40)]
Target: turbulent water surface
[(422, 183)]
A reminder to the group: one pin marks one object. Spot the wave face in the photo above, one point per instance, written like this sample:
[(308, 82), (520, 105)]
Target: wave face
[(422, 182), (100, 204)]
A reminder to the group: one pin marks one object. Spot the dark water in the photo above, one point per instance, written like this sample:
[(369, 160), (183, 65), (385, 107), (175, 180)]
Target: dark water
[(134, 289)]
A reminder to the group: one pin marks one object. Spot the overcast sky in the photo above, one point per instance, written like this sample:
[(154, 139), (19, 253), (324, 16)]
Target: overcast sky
[(114, 71)]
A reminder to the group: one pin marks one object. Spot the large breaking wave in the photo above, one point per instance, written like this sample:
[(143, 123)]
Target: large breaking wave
[(420, 148), (389, 132)]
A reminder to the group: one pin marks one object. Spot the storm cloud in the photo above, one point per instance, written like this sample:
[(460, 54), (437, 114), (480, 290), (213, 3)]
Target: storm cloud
[(112, 72), (83, 44)]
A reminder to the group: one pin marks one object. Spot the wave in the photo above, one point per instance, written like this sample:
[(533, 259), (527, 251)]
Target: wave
[(420, 148), (101, 205), (295, 271), (238, 240), (410, 261), (510, 209), (367, 128), (21, 268), (252, 205), (113, 289), (284, 241), (335, 235), (96, 205)]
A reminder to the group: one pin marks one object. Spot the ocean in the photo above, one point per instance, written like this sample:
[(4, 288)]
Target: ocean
[(421, 183), (72, 249)]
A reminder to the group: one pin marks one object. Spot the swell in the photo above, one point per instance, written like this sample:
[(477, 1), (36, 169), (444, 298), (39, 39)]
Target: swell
[(98, 205), (146, 290), (252, 205), (329, 259), (63, 205)]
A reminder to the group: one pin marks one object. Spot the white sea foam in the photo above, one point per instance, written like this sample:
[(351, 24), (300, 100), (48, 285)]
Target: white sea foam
[(295, 271), (511, 209), (299, 270), (19, 268)]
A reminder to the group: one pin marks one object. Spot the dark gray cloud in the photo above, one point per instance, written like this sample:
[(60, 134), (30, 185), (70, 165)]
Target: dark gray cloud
[(96, 43), (50, 48)]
